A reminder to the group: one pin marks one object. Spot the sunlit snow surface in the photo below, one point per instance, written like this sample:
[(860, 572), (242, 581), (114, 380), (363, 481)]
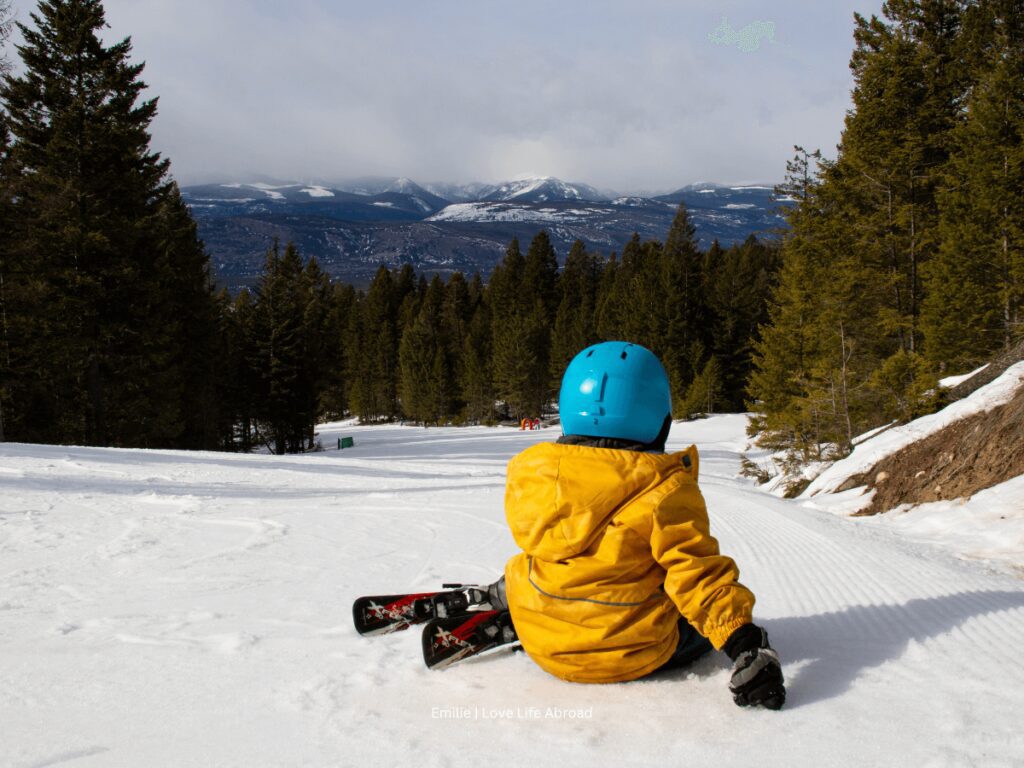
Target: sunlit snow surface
[(171, 609)]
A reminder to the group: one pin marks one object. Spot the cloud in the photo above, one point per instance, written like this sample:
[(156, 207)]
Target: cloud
[(625, 97)]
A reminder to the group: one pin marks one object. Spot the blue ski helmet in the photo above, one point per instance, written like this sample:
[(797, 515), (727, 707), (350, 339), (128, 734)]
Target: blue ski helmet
[(615, 389)]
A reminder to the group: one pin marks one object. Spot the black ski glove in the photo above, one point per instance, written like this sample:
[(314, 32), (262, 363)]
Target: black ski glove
[(756, 670)]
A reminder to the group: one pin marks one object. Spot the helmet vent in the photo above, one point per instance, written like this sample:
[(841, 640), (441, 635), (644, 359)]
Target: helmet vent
[(623, 355)]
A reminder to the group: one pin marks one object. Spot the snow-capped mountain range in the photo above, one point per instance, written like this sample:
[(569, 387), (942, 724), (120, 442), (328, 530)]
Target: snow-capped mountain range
[(540, 189), (352, 227)]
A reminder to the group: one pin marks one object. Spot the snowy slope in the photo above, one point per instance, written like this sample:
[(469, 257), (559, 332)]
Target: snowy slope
[(175, 609), (490, 212)]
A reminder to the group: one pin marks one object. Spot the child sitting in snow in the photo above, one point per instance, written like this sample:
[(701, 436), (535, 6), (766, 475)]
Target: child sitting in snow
[(619, 575)]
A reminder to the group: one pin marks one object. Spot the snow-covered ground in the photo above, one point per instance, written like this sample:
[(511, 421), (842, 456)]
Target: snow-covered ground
[(186, 609), (989, 526)]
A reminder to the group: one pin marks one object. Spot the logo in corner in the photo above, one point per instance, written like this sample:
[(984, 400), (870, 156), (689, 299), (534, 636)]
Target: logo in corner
[(748, 39)]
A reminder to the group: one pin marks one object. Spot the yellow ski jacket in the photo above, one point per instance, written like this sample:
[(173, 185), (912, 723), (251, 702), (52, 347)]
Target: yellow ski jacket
[(616, 545)]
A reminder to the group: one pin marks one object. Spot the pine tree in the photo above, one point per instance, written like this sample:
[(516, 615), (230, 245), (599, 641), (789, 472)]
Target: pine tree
[(458, 308), (373, 352), (6, 245), (335, 398), (575, 325), (687, 324), (786, 417), (241, 388), (896, 144), (319, 348), (407, 292), (6, 24), (503, 288), (518, 379), (460, 299), (98, 238), (539, 295), (519, 335), (476, 372), (618, 293), (738, 284), (283, 410), (704, 395), (645, 315), (428, 375), (839, 391), (540, 276), (190, 315), (975, 301), (606, 306)]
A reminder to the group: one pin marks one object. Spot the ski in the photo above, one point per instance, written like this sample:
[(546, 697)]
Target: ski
[(452, 639), (383, 614)]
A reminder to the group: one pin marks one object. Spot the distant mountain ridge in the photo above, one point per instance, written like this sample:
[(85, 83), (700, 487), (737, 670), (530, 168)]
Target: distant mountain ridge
[(353, 227), (542, 190)]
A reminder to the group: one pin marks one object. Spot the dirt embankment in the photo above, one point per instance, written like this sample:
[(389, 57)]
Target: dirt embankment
[(962, 459)]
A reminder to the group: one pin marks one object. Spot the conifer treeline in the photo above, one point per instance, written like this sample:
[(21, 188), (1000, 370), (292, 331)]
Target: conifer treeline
[(905, 257), (300, 348)]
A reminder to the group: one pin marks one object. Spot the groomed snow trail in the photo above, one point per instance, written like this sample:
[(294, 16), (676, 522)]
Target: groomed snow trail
[(175, 609)]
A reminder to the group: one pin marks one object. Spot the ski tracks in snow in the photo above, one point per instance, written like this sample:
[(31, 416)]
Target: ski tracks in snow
[(163, 608), (878, 629)]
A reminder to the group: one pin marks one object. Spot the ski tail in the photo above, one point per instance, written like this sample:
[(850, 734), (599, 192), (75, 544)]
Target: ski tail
[(452, 639), (383, 614)]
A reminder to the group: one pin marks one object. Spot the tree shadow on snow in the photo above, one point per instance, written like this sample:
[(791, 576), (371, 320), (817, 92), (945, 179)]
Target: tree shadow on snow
[(840, 645)]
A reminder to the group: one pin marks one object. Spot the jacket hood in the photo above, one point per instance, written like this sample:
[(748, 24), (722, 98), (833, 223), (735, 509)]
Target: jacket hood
[(559, 498)]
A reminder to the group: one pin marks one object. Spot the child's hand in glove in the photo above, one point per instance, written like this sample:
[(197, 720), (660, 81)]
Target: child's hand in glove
[(756, 671)]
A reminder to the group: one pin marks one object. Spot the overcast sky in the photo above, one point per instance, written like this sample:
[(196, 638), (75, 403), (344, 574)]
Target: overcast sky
[(635, 95)]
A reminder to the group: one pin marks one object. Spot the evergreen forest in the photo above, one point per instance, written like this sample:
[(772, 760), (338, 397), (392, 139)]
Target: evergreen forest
[(902, 261)]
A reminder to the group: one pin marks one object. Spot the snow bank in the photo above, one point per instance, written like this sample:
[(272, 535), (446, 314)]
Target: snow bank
[(951, 381), (870, 452), (989, 526)]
